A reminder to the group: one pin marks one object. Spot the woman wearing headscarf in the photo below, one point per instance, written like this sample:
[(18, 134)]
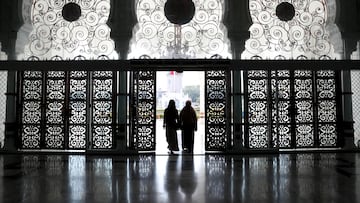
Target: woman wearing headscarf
[(171, 123), (188, 121)]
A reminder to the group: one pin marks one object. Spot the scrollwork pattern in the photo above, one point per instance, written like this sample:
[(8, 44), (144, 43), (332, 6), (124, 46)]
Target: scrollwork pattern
[(284, 133), (146, 138), (204, 35), (53, 35), (257, 112), (102, 109), (145, 113), (31, 136), (54, 137), (103, 88), (257, 108), (78, 109), (216, 113), (304, 111), (216, 88), (258, 136), (102, 112), (281, 91), (144, 122), (216, 110), (31, 109), (327, 111), (326, 88), (102, 137), (304, 136), (303, 36), (280, 88), (327, 135), (32, 89), (303, 88), (257, 89), (78, 137), (217, 139)]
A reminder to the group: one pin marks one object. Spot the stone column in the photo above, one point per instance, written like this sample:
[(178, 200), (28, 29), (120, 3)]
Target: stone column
[(238, 22), (122, 21)]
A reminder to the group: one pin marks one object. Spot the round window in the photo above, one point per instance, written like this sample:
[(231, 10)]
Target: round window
[(71, 12)]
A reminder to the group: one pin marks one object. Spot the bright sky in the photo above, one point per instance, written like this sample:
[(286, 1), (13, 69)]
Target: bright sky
[(190, 78)]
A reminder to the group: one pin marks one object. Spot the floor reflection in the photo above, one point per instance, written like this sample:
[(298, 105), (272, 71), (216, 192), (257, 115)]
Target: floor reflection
[(321, 177)]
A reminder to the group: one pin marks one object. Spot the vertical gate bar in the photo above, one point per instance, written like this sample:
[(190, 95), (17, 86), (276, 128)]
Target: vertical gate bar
[(229, 132), (315, 109), (122, 109), (132, 114), (20, 109), (269, 110), (206, 114), (246, 110), (292, 110), (237, 109), (43, 110), (339, 116), (114, 108), (67, 110)]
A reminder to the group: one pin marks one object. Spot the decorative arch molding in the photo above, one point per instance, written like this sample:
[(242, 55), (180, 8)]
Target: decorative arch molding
[(53, 35), (204, 36), (312, 32)]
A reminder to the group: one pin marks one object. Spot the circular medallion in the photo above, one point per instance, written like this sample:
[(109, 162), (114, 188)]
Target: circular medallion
[(71, 12), (179, 11), (285, 11)]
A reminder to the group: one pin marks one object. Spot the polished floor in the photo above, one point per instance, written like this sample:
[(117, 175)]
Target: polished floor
[(284, 178)]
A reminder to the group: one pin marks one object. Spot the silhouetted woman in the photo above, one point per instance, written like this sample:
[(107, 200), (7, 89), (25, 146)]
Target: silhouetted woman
[(188, 122), (171, 123)]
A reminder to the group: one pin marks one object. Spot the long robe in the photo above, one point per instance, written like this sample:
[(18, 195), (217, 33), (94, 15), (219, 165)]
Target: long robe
[(171, 118), (188, 121)]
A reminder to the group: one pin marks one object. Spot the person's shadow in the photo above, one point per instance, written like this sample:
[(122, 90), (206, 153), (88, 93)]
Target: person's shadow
[(180, 178), (188, 177), (171, 182)]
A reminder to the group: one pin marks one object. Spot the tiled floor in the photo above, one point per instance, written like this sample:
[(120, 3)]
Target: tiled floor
[(285, 178)]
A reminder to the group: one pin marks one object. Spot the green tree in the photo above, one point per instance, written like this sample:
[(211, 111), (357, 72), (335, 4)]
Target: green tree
[(193, 92)]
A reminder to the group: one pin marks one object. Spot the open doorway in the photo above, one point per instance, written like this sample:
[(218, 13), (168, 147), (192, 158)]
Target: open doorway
[(180, 86)]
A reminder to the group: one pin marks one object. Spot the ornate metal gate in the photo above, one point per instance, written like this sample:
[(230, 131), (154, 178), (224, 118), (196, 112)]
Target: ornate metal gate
[(143, 110), (291, 109), (55, 115), (216, 107)]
